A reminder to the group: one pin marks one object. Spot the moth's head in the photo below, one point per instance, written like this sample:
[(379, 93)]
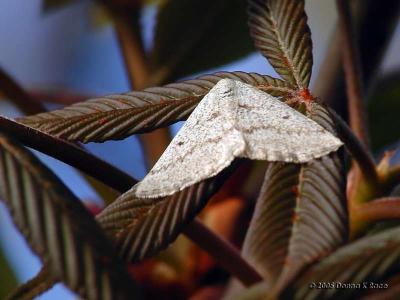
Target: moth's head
[(223, 93), (225, 86)]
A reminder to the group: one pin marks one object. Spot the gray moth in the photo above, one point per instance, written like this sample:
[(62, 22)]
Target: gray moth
[(234, 120)]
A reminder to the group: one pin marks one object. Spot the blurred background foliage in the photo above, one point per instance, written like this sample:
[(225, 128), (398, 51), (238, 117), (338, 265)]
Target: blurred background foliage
[(383, 112)]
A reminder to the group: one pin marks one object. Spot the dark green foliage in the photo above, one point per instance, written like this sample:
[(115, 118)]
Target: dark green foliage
[(196, 35), (383, 112)]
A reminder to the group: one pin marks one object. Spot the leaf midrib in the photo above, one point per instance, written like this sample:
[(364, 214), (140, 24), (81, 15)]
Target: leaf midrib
[(282, 47)]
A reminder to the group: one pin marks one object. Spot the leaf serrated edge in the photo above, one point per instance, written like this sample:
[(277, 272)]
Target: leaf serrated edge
[(118, 116)]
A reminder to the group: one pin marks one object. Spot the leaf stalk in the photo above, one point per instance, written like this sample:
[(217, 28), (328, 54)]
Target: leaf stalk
[(352, 70), (224, 253)]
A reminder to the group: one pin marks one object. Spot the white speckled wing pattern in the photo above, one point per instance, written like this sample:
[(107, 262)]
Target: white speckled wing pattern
[(234, 120)]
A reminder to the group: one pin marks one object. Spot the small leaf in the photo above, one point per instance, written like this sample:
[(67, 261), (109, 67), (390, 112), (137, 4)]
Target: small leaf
[(300, 215), (370, 259), (192, 36), (59, 228), (143, 227), (119, 116), (280, 31)]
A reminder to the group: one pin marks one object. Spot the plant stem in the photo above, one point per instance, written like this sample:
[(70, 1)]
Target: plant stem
[(29, 105), (133, 53), (20, 98), (63, 97), (136, 64), (34, 287), (223, 252), (373, 39), (378, 209), (68, 153), (352, 69), (357, 150), (120, 181), (391, 179)]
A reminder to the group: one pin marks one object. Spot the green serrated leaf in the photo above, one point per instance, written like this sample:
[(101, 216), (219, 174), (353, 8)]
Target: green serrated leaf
[(383, 112), (300, 215), (370, 259), (59, 228), (119, 116), (143, 227), (193, 36), (280, 31)]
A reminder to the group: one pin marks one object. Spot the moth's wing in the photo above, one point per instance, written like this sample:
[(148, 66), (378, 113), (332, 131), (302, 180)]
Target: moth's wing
[(206, 144), (274, 131)]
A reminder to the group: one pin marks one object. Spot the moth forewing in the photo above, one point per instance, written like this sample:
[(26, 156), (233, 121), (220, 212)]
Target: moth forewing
[(234, 120)]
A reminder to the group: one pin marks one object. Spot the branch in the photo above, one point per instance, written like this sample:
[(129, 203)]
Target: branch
[(392, 178), (378, 210), (223, 252), (138, 71), (19, 97), (357, 150), (352, 69), (34, 287), (133, 52), (68, 153), (373, 39), (58, 96)]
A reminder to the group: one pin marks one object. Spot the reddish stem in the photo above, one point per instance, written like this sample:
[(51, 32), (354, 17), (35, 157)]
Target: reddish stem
[(68, 153), (153, 143), (224, 253), (58, 96), (19, 97), (352, 70), (33, 287), (378, 209), (357, 150)]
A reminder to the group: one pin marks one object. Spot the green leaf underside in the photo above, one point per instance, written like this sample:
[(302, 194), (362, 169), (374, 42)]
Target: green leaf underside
[(192, 36), (59, 228), (280, 31), (370, 259), (34, 287), (116, 117), (300, 215), (144, 227)]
